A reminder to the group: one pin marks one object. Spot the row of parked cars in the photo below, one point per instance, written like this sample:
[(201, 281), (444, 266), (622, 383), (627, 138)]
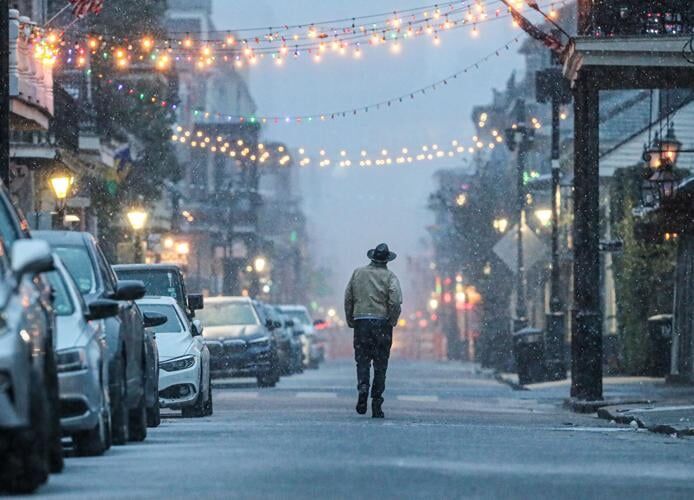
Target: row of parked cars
[(79, 357), (92, 352)]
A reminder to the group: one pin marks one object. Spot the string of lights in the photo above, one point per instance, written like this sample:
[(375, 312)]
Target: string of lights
[(80, 48), (209, 116), (342, 157)]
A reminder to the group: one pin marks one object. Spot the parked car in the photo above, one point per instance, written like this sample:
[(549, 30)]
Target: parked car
[(26, 356), (125, 335), (152, 376), (14, 227), (185, 381), (288, 346), (82, 359), (162, 280), (297, 345), (240, 344), (313, 351)]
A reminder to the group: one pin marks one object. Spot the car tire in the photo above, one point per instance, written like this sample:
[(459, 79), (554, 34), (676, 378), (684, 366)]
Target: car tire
[(197, 409), (267, 380), (25, 466), (154, 415), (92, 442), (138, 421), (55, 446), (209, 409), (119, 410)]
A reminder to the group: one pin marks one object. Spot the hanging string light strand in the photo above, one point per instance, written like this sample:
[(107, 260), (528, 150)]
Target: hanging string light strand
[(310, 118)]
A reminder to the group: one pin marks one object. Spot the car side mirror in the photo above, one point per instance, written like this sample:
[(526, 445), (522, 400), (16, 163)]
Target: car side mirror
[(152, 319), (289, 323), (195, 301), (31, 257), (129, 290), (197, 328), (101, 309), (269, 324)]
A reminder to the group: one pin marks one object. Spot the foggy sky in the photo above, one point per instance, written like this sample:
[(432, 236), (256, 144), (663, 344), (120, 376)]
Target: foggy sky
[(351, 210)]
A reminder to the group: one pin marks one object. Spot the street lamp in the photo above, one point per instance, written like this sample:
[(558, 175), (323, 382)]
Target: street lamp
[(544, 215), (137, 217), (661, 158), (663, 152), (61, 182), (500, 224), (260, 264)]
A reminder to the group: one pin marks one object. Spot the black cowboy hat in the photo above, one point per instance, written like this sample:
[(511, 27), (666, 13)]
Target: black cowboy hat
[(381, 254)]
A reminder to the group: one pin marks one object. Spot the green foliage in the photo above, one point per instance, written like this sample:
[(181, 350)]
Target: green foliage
[(120, 115), (644, 272)]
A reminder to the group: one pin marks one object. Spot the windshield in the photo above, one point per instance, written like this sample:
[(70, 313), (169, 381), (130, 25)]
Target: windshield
[(78, 263), (173, 323), (62, 302), (159, 283), (300, 315), (228, 313)]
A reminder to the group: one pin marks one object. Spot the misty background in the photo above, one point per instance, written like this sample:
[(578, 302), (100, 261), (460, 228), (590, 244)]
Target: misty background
[(352, 209)]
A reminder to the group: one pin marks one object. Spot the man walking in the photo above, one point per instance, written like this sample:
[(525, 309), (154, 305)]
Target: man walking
[(372, 307)]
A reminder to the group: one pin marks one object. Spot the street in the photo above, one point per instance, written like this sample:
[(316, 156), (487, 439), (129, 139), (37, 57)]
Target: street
[(449, 432)]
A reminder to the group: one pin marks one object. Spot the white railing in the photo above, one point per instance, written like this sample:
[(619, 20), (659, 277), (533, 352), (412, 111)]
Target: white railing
[(31, 80)]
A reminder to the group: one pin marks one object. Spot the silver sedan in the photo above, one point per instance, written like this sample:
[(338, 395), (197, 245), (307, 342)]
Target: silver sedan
[(82, 361)]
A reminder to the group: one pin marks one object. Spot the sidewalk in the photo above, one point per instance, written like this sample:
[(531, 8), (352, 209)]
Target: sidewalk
[(642, 402)]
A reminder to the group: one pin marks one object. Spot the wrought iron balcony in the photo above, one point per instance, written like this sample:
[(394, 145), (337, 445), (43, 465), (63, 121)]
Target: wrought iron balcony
[(621, 18)]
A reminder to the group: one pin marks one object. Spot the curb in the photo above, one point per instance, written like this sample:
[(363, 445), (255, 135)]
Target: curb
[(582, 406), (632, 420), (513, 385)]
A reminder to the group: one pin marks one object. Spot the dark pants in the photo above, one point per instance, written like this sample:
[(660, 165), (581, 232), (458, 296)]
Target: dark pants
[(372, 341)]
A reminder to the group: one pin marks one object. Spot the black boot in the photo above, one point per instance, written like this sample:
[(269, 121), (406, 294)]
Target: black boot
[(362, 402), (376, 411)]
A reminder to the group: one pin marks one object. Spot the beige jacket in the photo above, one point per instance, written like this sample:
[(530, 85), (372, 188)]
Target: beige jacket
[(373, 292)]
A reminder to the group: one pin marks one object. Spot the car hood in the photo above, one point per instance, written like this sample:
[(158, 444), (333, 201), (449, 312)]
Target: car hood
[(173, 345), (72, 332), (242, 332)]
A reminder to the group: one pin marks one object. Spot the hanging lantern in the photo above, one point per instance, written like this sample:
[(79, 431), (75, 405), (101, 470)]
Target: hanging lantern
[(664, 183)]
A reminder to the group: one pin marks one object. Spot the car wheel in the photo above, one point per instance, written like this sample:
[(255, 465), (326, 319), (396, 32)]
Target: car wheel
[(93, 442), (267, 379), (208, 404), (138, 421), (154, 415), (119, 412), (25, 465), (55, 447), (197, 409)]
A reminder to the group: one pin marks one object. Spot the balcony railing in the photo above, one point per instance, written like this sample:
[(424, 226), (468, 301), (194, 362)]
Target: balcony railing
[(31, 80), (642, 18)]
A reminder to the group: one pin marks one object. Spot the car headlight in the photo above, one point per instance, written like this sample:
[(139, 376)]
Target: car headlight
[(259, 342), (177, 364), (70, 360)]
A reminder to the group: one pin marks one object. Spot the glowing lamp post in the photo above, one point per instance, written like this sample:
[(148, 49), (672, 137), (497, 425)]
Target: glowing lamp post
[(137, 218), (61, 184)]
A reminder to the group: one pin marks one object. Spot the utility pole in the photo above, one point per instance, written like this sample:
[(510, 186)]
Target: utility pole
[(552, 87), (521, 137), (5, 93)]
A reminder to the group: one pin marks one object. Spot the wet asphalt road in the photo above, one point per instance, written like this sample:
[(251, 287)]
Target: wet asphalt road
[(448, 433)]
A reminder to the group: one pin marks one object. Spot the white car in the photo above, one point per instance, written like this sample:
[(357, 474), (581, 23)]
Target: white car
[(184, 360)]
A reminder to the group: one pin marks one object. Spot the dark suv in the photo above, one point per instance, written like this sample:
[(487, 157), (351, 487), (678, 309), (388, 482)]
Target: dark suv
[(125, 334), (162, 280)]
